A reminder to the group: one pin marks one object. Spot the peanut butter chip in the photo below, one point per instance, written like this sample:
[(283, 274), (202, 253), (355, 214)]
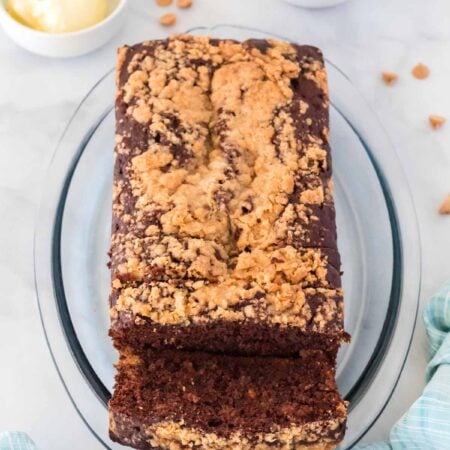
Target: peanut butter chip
[(184, 3), (163, 2), (420, 71), (168, 20), (389, 78), (445, 207), (436, 121)]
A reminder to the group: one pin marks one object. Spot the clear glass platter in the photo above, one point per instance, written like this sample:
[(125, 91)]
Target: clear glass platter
[(378, 241)]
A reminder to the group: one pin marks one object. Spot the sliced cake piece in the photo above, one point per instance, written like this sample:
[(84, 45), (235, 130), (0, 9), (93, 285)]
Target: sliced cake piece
[(235, 317), (224, 232), (179, 400), (167, 257)]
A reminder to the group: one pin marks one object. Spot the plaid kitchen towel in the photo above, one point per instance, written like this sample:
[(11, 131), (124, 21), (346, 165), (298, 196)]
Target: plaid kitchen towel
[(426, 425), (16, 440)]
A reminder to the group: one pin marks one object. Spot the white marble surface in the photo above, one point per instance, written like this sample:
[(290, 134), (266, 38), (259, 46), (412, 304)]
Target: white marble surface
[(38, 96)]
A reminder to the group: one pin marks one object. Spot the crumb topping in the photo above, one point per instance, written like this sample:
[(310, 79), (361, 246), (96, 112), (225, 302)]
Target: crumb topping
[(174, 435), (161, 258), (218, 183), (171, 303)]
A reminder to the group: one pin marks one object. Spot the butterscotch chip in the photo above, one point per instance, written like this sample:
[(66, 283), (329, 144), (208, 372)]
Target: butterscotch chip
[(420, 71), (168, 20), (436, 121), (163, 3), (184, 3), (389, 78), (445, 207)]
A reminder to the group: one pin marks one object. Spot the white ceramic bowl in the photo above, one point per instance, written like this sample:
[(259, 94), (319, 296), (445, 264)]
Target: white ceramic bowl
[(315, 3), (64, 45)]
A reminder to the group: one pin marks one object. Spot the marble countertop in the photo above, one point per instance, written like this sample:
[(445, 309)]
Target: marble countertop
[(38, 96)]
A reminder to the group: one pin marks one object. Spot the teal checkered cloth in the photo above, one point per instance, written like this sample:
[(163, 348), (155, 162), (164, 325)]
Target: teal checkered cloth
[(16, 440), (426, 425)]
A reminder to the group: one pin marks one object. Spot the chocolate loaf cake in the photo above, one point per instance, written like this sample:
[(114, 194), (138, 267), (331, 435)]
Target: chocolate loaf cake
[(179, 400), (224, 234)]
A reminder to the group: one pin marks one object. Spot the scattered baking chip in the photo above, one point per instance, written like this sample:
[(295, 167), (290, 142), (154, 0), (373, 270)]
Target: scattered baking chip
[(168, 20), (163, 2), (436, 121), (184, 3), (389, 77), (420, 71), (445, 207)]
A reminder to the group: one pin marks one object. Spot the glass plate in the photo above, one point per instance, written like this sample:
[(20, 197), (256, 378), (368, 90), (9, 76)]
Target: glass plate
[(378, 241)]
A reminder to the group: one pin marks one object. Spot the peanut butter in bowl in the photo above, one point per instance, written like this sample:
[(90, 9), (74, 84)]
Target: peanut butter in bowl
[(58, 16), (61, 28)]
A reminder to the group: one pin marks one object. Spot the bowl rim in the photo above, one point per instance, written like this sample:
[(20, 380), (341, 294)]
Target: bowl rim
[(4, 14)]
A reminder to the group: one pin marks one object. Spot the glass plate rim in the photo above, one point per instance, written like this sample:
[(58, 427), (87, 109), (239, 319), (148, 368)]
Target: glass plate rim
[(66, 185)]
